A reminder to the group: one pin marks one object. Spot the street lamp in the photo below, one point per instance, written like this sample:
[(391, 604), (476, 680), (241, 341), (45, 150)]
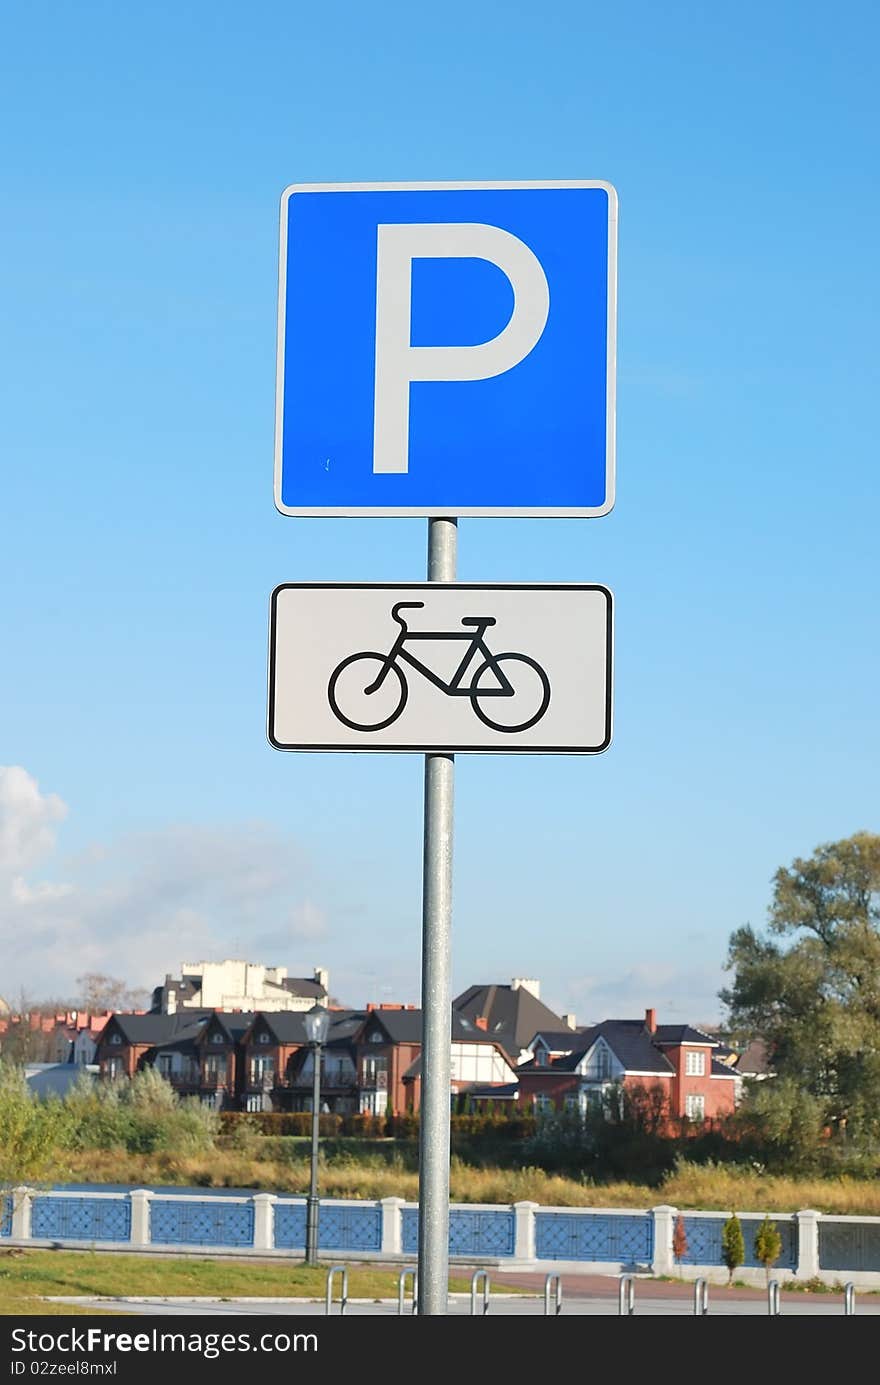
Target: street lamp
[(317, 1022)]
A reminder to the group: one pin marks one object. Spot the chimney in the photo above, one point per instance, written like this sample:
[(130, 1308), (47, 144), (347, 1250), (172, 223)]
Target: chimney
[(651, 1021), (322, 976), (527, 983), (171, 1001), (569, 1021)]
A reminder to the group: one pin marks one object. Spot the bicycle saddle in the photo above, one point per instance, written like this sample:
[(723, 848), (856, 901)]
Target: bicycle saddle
[(404, 606), (478, 620)]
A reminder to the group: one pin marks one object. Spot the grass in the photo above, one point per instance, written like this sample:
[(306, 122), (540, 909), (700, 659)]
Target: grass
[(279, 1167), (27, 1275)]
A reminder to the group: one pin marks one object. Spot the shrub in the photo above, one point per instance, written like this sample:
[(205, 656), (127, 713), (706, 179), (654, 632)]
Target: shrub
[(733, 1247), (30, 1130), (768, 1244), (679, 1240)]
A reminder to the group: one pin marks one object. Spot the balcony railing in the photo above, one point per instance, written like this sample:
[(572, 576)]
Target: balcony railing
[(261, 1081)]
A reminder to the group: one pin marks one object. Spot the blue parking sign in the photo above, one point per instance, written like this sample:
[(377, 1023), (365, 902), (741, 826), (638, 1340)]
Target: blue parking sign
[(446, 349)]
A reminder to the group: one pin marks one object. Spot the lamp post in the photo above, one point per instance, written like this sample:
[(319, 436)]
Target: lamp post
[(317, 1023)]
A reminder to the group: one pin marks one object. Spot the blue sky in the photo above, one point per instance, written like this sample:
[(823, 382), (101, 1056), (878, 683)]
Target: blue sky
[(148, 821)]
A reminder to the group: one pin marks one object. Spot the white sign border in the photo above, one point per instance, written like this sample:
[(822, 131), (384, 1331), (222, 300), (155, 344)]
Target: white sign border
[(462, 511), (447, 749)]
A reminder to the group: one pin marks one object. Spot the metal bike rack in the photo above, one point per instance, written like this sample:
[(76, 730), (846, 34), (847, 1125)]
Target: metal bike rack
[(773, 1298), (701, 1298), (479, 1275), (849, 1298), (553, 1281), (626, 1302), (333, 1271), (401, 1290)]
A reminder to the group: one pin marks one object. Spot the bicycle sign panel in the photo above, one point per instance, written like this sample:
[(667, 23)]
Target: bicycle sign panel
[(436, 667)]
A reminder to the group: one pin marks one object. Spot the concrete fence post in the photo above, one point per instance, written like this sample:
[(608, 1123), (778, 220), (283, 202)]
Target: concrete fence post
[(140, 1216), (808, 1243), (22, 1201), (524, 1230), (392, 1225), (664, 1226), (264, 1221)]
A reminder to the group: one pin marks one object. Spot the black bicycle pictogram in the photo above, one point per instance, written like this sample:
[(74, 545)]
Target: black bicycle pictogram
[(374, 690)]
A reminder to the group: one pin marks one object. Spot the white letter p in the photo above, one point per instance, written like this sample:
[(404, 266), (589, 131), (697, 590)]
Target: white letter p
[(398, 362)]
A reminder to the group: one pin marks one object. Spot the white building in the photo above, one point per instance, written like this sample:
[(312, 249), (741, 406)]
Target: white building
[(239, 985)]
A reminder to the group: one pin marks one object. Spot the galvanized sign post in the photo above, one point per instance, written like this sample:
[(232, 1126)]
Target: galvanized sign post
[(443, 350)]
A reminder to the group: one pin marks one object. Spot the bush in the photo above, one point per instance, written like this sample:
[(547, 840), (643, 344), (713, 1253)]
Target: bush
[(30, 1131), (733, 1246), (768, 1244), (142, 1116)]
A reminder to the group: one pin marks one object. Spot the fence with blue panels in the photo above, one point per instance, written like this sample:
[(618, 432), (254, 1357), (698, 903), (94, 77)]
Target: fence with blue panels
[(471, 1232), (703, 1235), (522, 1234), (600, 1237)]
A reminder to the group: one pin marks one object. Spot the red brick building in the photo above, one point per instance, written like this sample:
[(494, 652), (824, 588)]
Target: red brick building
[(676, 1059)]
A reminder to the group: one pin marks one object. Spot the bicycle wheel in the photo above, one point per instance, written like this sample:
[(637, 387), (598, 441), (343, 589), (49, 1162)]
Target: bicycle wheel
[(529, 688), (350, 683)]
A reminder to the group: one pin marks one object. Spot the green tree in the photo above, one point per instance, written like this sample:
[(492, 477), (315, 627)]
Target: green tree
[(811, 989), (32, 1130), (733, 1246), (768, 1245)]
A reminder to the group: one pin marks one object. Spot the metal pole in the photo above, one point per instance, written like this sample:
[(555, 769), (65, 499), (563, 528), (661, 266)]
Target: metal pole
[(436, 990), (312, 1203)]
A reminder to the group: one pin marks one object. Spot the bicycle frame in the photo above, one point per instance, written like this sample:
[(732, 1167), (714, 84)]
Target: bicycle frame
[(476, 645)]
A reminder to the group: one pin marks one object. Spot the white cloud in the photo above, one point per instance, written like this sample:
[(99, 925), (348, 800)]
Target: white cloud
[(27, 820), (136, 906)]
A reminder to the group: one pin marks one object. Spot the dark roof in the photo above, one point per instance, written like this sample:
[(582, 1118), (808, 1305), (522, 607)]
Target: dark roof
[(513, 1017), (288, 1026), (234, 1024), (156, 1029), (719, 1069), (560, 1040), (753, 1062), (682, 1034), (304, 986), (629, 1041), (401, 1026)]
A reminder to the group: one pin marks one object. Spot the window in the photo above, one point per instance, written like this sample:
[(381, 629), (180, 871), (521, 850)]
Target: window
[(695, 1107), (603, 1063), (262, 1068), (114, 1067), (116, 1038), (165, 1064), (695, 1063), (374, 1072), (263, 1037)]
